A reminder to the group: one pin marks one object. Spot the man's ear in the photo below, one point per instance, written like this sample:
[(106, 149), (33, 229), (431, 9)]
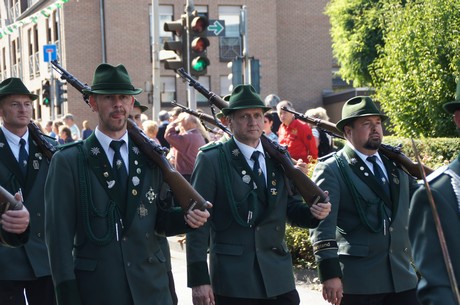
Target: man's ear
[(92, 103)]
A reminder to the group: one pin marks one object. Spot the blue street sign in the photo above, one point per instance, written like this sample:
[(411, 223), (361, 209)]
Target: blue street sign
[(49, 52), (216, 27)]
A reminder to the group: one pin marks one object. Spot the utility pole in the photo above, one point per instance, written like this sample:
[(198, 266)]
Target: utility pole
[(244, 33), (189, 8), (155, 61)]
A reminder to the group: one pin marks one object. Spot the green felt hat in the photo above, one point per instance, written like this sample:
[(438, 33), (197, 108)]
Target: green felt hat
[(109, 79), (141, 107), (357, 107), (244, 97), (451, 107), (14, 85)]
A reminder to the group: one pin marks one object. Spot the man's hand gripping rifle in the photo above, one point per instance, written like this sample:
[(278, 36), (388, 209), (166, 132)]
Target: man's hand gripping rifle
[(309, 191), (183, 192)]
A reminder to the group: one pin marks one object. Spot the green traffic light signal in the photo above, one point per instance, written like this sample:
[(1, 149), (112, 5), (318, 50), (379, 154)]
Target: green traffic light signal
[(199, 64)]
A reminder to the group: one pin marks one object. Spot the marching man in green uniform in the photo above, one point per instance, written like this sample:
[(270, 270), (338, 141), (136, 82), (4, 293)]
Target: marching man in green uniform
[(362, 248), (434, 286), (25, 273), (249, 260), (103, 209)]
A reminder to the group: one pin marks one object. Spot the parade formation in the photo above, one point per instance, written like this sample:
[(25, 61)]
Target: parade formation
[(85, 215)]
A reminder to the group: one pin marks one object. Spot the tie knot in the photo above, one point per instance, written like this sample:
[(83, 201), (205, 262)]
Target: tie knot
[(255, 155), (115, 145), (372, 159), (22, 142)]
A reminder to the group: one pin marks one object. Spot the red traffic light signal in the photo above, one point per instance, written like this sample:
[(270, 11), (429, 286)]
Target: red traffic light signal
[(199, 44)]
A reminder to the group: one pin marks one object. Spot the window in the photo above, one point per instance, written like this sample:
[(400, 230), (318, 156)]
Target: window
[(168, 89), (166, 13), (230, 45), (225, 84)]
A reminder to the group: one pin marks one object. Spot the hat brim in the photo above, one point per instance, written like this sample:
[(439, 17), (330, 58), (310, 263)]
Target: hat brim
[(341, 124), (227, 111), (451, 107), (143, 108), (114, 91), (32, 96)]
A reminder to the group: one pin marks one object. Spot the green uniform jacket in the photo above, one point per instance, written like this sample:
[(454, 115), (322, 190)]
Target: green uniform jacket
[(95, 258), (434, 287), (370, 253), (31, 260), (246, 261)]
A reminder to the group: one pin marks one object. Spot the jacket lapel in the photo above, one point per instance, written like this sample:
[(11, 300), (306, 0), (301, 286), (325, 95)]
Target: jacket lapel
[(365, 174), (99, 164), (6, 155), (243, 169)]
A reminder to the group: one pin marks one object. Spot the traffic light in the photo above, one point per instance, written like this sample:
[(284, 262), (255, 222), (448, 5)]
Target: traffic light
[(236, 76), (46, 100), (178, 45), (61, 92), (198, 44)]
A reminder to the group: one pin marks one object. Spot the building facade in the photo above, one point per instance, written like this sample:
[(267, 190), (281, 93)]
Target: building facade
[(289, 38)]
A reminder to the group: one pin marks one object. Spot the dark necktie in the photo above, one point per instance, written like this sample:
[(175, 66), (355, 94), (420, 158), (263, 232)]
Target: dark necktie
[(119, 167), (23, 157), (260, 178), (378, 173)]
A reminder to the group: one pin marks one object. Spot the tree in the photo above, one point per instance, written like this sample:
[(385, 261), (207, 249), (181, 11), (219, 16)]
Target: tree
[(356, 34), (408, 51), (416, 70)]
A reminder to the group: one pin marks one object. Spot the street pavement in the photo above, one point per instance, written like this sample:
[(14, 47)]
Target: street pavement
[(308, 296)]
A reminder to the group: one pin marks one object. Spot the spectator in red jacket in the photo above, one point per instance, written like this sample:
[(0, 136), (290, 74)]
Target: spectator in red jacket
[(296, 135)]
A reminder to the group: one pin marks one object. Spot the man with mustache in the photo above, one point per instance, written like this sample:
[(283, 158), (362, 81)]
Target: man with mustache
[(362, 248), (104, 209)]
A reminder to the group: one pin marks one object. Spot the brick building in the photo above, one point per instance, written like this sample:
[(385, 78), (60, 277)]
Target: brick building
[(289, 38)]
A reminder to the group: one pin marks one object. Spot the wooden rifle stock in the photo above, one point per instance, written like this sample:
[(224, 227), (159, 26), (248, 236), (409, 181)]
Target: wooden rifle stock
[(391, 152), (7, 198), (184, 193), (309, 191)]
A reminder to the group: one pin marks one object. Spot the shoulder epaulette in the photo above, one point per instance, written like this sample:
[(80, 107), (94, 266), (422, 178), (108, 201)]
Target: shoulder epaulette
[(438, 172), (325, 157), (211, 145), (67, 145)]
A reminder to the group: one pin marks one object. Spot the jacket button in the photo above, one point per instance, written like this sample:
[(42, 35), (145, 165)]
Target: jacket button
[(150, 260), (128, 264)]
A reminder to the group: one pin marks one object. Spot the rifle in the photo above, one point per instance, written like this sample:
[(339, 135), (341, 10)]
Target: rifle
[(184, 193), (9, 200), (44, 146), (392, 152), (204, 117), (309, 191)]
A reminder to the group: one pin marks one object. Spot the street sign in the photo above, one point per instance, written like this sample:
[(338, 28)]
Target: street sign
[(216, 27), (49, 52)]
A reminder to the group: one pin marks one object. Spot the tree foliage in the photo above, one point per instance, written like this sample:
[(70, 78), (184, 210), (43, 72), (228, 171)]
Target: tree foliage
[(356, 34), (415, 65)]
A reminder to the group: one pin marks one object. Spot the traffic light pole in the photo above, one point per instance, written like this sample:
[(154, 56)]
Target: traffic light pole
[(52, 92), (244, 32), (190, 6)]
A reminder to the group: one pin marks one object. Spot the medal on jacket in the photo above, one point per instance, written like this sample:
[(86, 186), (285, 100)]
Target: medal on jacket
[(142, 211)]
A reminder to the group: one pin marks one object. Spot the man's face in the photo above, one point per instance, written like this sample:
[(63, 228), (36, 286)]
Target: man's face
[(113, 111), (247, 125), (16, 111), (365, 133), (136, 114), (285, 117)]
